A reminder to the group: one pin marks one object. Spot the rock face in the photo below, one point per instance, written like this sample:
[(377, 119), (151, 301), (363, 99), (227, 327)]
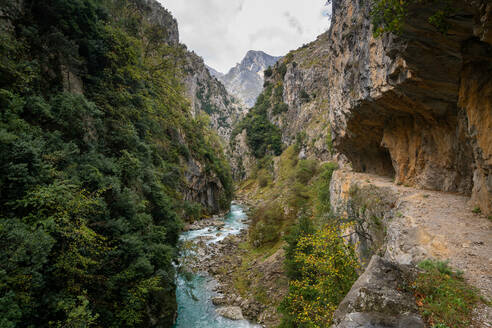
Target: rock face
[(204, 188), (396, 227), (207, 96), (305, 92), (300, 105), (242, 159), (417, 109), (376, 298), (297, 89), (245, 80), (159, 16), (396, 111)]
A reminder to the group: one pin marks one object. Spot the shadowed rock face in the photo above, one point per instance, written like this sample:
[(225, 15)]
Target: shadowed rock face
[(417, 106), (163, 18)]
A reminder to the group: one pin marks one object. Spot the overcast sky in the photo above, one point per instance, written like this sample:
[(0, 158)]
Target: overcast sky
[(222, 31)]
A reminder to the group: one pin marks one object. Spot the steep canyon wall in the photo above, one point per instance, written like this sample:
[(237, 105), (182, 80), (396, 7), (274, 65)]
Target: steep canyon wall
[(414, 106)]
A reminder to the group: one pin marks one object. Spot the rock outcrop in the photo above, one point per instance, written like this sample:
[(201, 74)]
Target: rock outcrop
[(298, 97), (241, 158), (305, 92), (396, 227), (209, 96), (363, 306), (245, 80), (417, 106), (156, 14), (206, 94), (230, 312), (204, 187)]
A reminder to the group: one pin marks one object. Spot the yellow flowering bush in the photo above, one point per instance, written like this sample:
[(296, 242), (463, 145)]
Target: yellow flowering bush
[(327, 269)]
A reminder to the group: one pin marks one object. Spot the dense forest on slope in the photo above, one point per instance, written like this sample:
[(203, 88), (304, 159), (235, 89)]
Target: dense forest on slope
[(94, 133)]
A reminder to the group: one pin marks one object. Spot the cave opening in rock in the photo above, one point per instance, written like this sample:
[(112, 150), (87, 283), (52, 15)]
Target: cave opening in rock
[(387, 163)]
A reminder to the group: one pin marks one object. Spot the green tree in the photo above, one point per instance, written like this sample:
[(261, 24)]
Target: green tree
[(325, 269), (91, 184), (390, 15)]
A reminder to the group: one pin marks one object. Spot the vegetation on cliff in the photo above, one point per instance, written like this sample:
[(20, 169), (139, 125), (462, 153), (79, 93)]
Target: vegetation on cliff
[(444, 298), (263, 137), (323, 269), (391, 15), (293, 212), (91, 180)]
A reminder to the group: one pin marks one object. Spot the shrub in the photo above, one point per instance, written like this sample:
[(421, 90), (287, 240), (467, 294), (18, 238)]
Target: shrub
[(267, 221), (326, 267), (268, 72), (278, 92), (280, 108), (305, 170), (322, 187), (289, 57), (477, 210), (282, 70), (390, 15), (304, 96), (444, 298), (263, 178), (262, 136)]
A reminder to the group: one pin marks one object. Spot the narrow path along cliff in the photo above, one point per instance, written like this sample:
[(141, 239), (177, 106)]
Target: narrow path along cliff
[(429, 224), (416, 225)]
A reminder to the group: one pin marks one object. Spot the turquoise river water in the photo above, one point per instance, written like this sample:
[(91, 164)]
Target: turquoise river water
[(195, 307)]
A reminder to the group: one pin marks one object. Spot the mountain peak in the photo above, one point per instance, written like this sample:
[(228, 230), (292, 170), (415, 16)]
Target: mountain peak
[(256, 53), (245, 80)]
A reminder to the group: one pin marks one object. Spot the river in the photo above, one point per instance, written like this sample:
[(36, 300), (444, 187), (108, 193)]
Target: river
[(194, 296)]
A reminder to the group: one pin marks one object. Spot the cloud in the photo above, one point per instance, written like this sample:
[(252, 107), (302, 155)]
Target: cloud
[(293, 22), (222, 31)]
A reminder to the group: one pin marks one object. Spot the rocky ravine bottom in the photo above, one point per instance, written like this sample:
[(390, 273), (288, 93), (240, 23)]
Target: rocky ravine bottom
[(223, 260)]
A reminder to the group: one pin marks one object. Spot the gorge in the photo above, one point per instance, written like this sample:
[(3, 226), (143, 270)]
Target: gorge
[(360, 166)]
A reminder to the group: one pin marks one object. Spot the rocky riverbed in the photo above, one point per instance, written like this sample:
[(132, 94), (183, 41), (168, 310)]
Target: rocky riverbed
[(205, 285), (215, 249)]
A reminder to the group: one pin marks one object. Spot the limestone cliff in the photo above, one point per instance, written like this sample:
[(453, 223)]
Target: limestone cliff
[(305, 91), (417, 106), (296, 88), (156, 14), (207, 96)]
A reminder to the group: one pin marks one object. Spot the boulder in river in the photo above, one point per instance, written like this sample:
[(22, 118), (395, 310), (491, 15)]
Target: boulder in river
[(230, 312)]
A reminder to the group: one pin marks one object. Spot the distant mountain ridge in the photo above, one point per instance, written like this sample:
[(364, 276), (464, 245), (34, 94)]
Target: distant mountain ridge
[(245, 80)]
